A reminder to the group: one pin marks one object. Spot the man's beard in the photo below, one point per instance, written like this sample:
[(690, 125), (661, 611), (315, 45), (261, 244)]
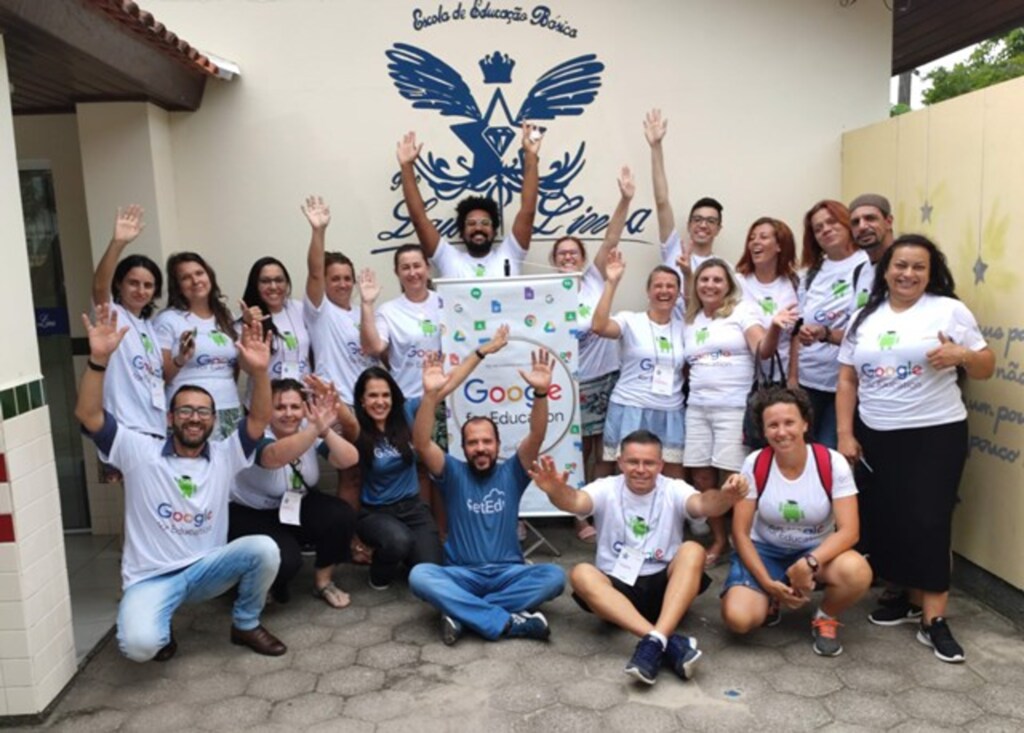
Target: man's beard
[(479, 250), (478, 472), (179, 434)]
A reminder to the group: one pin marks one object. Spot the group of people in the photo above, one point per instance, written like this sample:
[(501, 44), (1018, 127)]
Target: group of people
[(867, 337)]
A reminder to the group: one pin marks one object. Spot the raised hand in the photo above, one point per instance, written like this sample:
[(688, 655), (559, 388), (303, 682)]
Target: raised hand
[(947, 354), (627, 184), (407, 149), (615, 267), (546, 476), (369, 288), (532, 137), (104, 335), (253, 348), (251, 313), (786, 317), (434, 378), (683, 261), (539, 376), (321, 411), (735, 488), (498, 341), (655, 127), (128, 224), (317, 212)]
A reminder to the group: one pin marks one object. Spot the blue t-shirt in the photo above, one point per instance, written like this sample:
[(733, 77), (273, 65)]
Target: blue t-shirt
[(482, 512), (390, 478)]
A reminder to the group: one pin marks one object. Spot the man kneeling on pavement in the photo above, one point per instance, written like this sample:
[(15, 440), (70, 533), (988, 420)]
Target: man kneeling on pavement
[(645, 576)]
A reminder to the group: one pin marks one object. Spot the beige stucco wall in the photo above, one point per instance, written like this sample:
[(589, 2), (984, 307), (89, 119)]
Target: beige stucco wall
[(963, 158)]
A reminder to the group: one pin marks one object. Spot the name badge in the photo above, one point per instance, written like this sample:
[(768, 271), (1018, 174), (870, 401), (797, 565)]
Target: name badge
[(291, 503), (661, 382), (157, 395), (291, 370), (628, 565)]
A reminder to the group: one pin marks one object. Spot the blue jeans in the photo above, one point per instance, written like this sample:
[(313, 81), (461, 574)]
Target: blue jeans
[(484, 597), (144, 616), (824, 405)]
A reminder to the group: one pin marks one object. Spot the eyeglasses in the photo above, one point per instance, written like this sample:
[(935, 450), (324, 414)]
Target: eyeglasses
[(272, 281), (187, 411), (568, 253), (711, 221), (478, 222)]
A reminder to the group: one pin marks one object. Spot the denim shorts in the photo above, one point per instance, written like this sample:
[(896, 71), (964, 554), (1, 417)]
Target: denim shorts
[(669, 425), (776, 561)]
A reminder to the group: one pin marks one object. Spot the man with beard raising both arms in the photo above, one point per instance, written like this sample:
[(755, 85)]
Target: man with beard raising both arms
[(477, 219), (176, 503), (485, 583)]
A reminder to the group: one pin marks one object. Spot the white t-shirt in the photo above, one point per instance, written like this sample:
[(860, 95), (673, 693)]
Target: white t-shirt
[(829, 302), (721, 363), (459, 264), (651, 523), (176, 509), (643, 346), (410, 330), (797, 514), (213, 362), (897, 387), (133, 385), (289, 357), (598, 356), (769, 299), (262, 488), (334, 333)]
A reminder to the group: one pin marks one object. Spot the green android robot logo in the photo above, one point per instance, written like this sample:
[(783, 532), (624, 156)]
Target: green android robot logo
[(862, 298), (839, 288), (186, 486), (702, 335), (585, 311), (297, 484), (768, 306), (481, 270), (428, 327), (790, 511), (888, 340), (291, 341), (147, 343), (219, 338), (664, 345), (639, 527)]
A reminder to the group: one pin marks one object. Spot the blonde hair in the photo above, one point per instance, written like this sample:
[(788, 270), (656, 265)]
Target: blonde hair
[(732, 298)]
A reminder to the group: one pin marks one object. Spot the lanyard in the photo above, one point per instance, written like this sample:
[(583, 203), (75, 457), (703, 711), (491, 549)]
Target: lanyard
[(671, 342)]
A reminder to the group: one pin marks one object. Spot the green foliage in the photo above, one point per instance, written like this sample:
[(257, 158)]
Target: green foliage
[(899, 109), (995, 60)]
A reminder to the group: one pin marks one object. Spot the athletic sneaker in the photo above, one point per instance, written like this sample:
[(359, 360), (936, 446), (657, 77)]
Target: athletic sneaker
[(646, 660), (451, 630), (906, 613), (528, 625), (826, 637), (682, 654), (893, 596), (940, 639)]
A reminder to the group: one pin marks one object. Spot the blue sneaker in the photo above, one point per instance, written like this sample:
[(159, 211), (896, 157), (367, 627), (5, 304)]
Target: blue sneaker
[(451, 630), (528, 625), (646, 660), (682, 654)]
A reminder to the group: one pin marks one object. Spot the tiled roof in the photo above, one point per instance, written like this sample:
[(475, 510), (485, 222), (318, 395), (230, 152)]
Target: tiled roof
[(128, 14)]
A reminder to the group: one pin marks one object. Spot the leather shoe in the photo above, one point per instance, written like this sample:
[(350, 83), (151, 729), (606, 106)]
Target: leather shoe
[(167, 651), (259, 640)]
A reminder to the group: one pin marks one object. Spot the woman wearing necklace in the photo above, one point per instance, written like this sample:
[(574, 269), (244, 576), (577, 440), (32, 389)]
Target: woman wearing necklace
[(649, 393), (134, 380)]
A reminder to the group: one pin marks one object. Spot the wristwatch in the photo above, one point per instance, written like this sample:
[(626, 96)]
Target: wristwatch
[(813, 562)]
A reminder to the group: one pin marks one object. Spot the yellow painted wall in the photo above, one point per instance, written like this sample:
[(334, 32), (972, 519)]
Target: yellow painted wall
[(964, 159)]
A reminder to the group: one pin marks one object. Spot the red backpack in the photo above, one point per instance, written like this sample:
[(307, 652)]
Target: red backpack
[(822, 459)]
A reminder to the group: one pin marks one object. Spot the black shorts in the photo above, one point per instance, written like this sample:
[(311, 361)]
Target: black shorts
[(647, 594)]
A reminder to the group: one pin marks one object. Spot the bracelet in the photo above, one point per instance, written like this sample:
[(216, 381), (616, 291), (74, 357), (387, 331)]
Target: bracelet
[(540, 395), (480, 355), (96, 367)]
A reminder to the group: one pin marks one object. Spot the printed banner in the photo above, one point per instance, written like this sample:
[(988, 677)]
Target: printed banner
[(541, 313)]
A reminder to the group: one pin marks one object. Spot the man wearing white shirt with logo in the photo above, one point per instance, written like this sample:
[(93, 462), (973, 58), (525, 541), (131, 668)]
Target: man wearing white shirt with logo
[(176, 502), (645, 576)]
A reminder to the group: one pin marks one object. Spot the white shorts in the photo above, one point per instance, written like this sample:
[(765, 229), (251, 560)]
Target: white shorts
[(714, 437)]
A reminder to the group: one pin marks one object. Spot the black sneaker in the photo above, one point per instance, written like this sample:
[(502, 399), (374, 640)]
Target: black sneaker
[(646, 660), (167, 651), (682, 654), (527, 625), (893, 597), (906, 613), (451, 630), (940, 639)]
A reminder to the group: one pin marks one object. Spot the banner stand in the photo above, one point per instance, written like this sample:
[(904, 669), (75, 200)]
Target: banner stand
[(540, 541)]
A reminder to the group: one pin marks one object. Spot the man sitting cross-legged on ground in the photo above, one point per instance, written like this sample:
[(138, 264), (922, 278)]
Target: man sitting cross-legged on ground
[(645, 577), (176, 502), (485, 583)]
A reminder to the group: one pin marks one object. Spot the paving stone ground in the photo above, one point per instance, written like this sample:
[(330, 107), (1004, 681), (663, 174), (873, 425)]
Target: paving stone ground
[(379, 666)]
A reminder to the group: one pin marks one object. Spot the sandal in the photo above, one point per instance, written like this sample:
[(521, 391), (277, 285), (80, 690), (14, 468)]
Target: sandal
[(587, 533), (332, 595), (714, 559)]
